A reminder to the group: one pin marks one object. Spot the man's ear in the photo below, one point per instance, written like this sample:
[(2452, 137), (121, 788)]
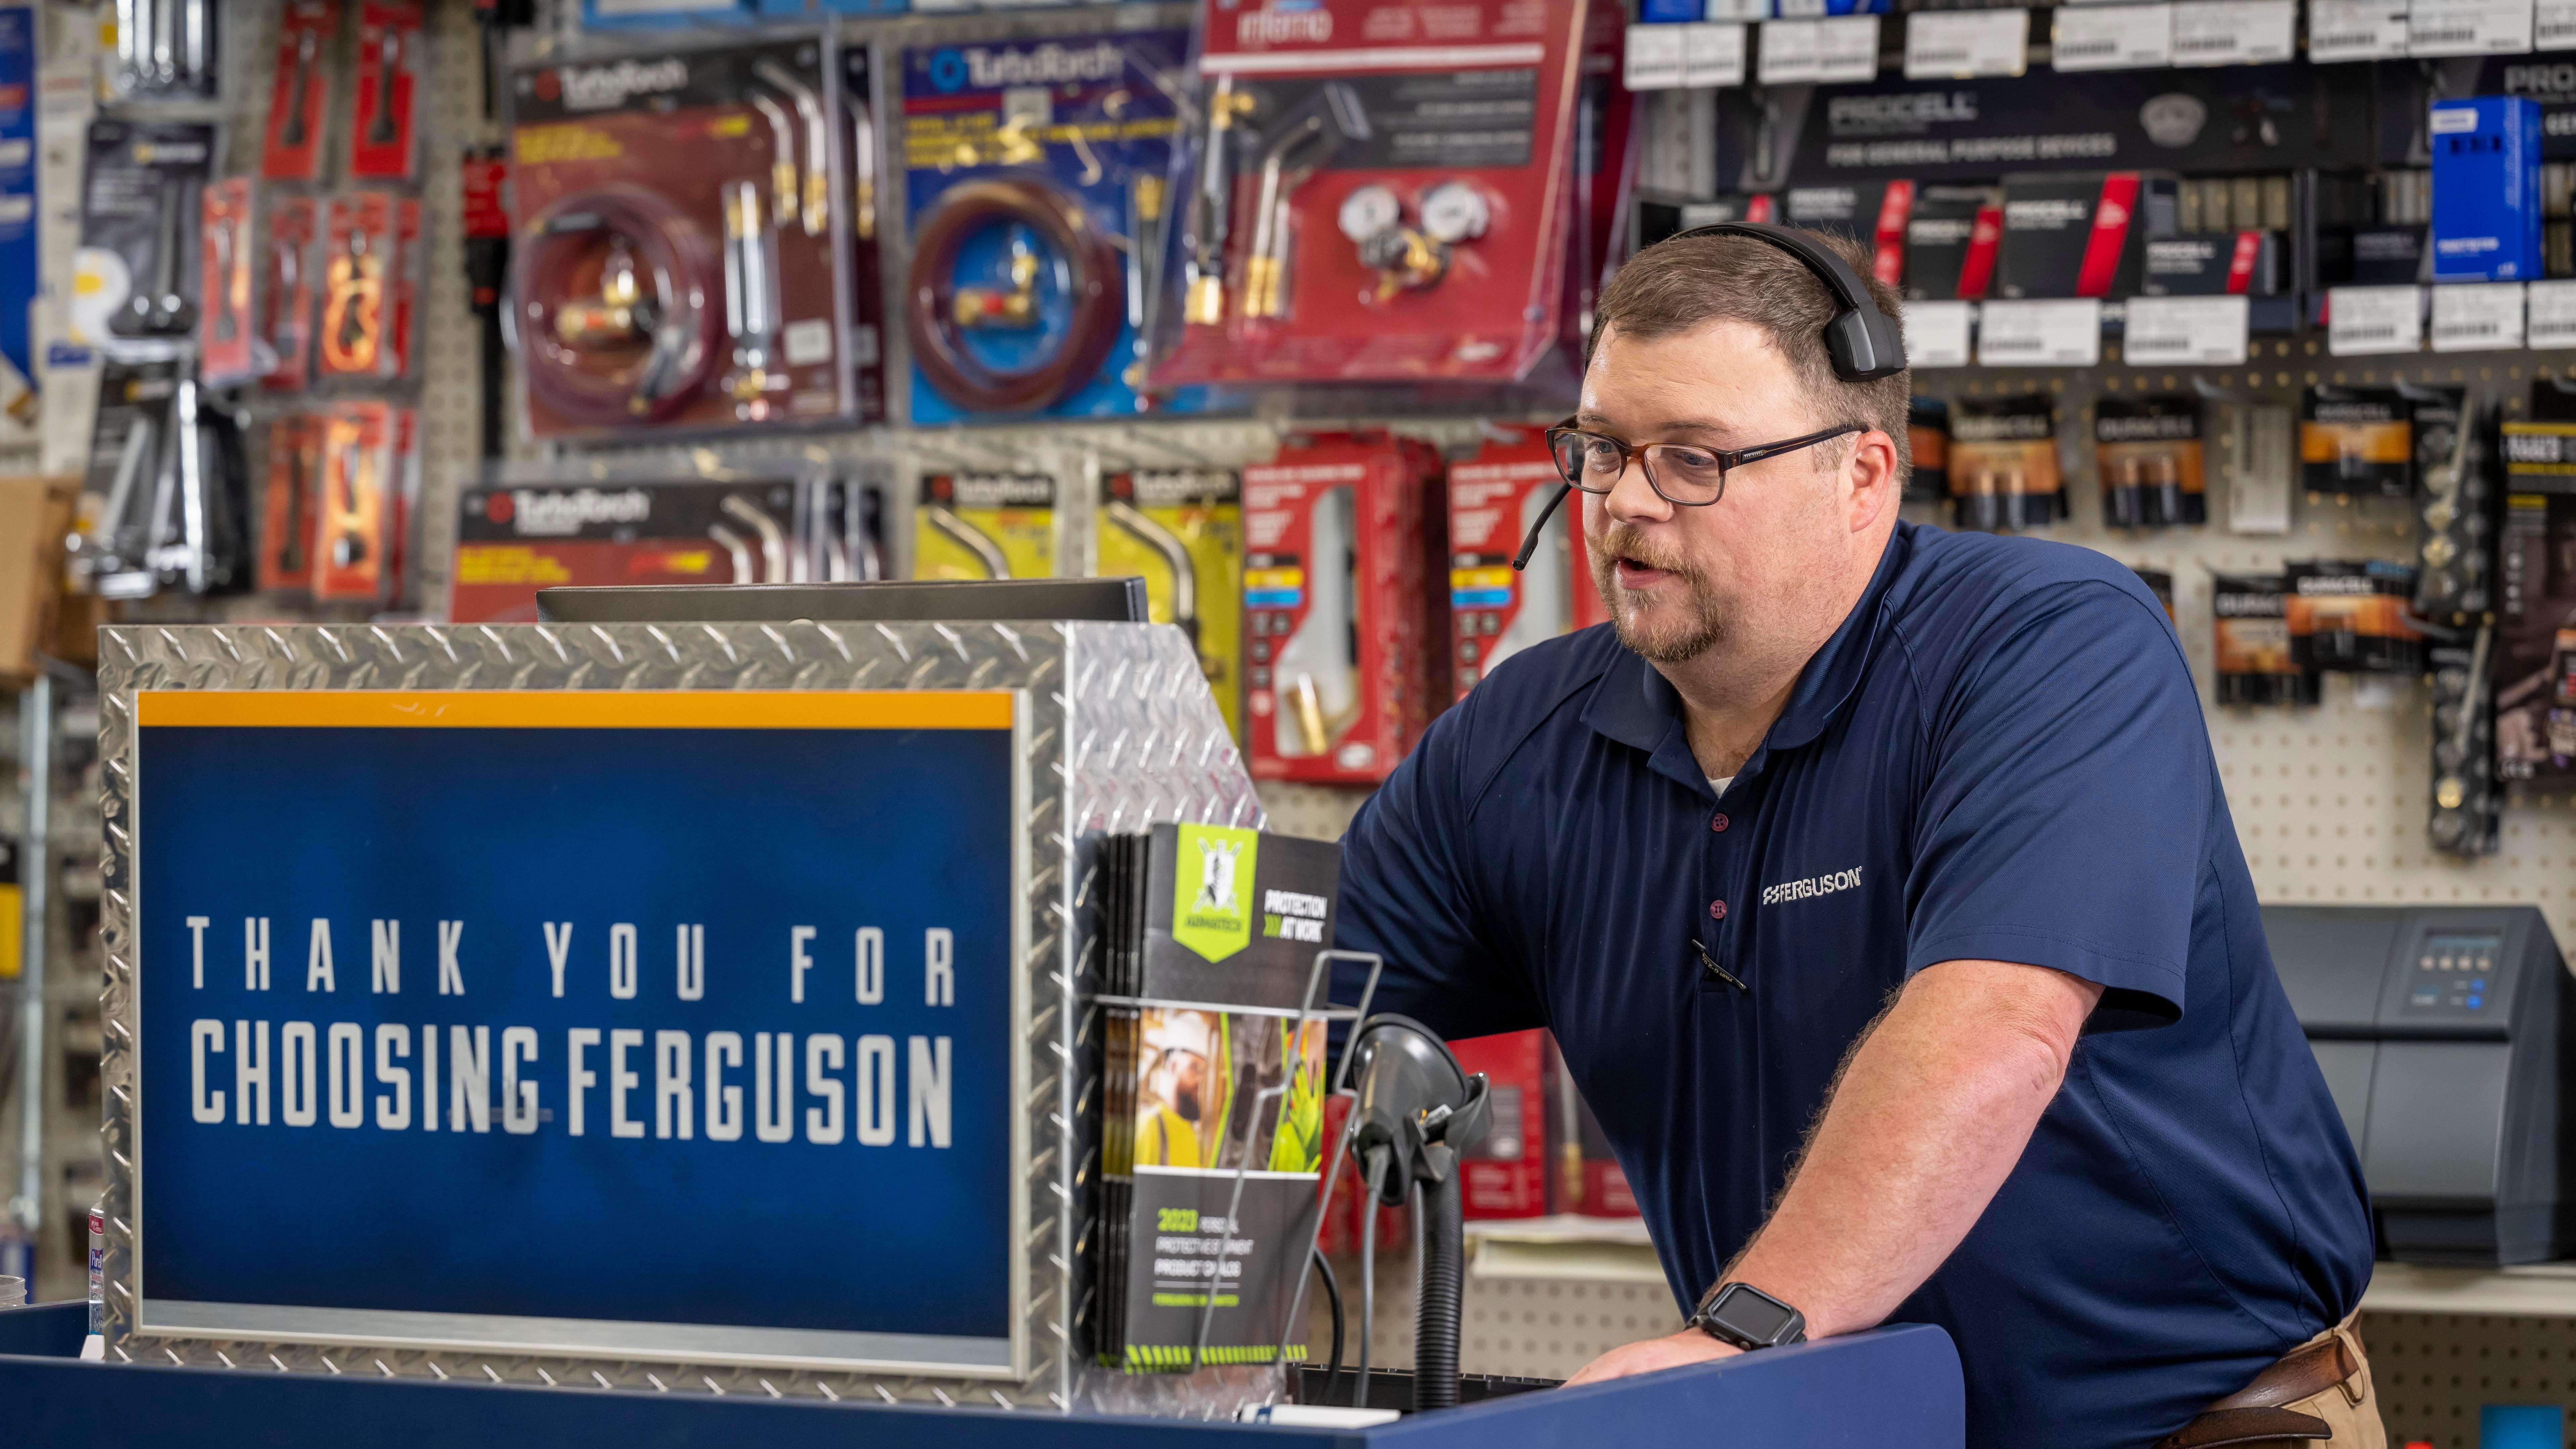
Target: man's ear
[(1877, 484)]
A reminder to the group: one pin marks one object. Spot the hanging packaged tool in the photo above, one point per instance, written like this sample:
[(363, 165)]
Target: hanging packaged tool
[(2467, 808), (2535, 675), (845, 532), (385, 90), (134, 289), (300, 95), (1495, 612), (163, 505), (354, 525), (404, 282), (228, 351), (286, 293), (1340, 672), (2457, 498), (676, 267), (1181, 530), (2350, 616), (2254, 665), (1372, 202), (866, 199), (2147, 450), (2004, 469), (487, 268), (528, 526), (289, 501), (166, 50), (361, 241), (1035, 174), (985, 526), (2356, 441)]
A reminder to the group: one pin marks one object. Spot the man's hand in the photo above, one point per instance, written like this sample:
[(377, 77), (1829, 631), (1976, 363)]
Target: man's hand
[(1671, 1351)]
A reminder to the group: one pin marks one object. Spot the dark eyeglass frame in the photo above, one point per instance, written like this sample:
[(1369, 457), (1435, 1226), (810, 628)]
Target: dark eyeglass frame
[(1728, 459)]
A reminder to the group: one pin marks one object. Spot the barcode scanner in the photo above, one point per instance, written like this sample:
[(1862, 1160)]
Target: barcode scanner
[(1863, 343)]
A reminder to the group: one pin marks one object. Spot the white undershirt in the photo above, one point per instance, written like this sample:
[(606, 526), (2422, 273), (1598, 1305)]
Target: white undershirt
[(1719, 785)]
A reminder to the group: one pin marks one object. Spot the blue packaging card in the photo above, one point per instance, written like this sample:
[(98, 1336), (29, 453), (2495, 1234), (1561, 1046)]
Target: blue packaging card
[(1084, 117), (2521, 1426), (2486, 189), (663, 14), (1669, 12), (18, 279)]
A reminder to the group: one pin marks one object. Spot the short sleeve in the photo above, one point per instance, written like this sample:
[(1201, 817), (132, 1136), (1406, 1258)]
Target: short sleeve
[(2066, 810), (1408, 896)]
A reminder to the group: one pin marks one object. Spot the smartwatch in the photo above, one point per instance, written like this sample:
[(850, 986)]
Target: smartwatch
[(1743, 1315)]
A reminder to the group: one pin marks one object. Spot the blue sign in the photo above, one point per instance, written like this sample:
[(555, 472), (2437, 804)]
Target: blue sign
[(631, 1024)]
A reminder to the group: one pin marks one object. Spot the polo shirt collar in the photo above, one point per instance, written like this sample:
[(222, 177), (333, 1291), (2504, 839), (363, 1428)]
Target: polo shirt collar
[(1635, 705)]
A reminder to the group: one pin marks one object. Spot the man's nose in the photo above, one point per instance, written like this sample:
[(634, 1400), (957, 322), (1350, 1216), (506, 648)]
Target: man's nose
[(1633, 497)]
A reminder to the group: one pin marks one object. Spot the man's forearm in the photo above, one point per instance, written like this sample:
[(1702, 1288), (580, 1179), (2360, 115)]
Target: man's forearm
[(1927, 1121)]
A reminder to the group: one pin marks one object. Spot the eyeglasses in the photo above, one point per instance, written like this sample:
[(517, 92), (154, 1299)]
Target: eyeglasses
[(1680, 474)]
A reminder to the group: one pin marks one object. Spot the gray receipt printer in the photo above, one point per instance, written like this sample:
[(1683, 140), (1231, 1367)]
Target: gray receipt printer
[(2442, 1032)]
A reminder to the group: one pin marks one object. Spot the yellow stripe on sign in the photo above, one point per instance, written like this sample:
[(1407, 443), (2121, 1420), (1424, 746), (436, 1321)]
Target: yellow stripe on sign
[(594, 709)]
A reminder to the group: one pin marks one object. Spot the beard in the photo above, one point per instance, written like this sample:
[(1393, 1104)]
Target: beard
[(1700, 616), (1185, 1102)]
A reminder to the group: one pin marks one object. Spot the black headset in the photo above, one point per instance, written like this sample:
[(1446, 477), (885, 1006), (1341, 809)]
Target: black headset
[(1863, 342)]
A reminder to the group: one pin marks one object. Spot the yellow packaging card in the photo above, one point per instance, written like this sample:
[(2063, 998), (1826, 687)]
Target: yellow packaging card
[(1182, 532), (985, 526)]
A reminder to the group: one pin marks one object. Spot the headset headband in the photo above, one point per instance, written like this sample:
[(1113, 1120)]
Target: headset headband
[(1862, 341)]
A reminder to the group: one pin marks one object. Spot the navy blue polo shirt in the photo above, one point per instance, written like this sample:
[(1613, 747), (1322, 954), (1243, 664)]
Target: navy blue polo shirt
[(1999, 755)]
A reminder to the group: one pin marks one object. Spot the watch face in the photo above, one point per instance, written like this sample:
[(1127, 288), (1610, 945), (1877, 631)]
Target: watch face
[(1369, 211), (1750, 1315), (1453, 211)]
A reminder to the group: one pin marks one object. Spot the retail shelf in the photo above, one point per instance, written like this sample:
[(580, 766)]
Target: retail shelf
[(1564, 1247), (2539, 1290)]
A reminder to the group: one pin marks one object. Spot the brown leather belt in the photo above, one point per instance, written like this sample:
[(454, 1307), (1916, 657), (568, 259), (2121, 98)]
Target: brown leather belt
[(2255, 1414)]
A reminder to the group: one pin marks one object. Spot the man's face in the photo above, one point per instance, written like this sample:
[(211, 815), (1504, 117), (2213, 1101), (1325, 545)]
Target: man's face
[(1189, 1078), (1679, 580)]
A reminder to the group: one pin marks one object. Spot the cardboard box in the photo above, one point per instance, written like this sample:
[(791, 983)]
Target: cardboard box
[(35, 518), (2486, 189)]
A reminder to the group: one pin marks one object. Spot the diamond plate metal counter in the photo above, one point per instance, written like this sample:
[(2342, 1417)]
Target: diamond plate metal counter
[(1121, 733)]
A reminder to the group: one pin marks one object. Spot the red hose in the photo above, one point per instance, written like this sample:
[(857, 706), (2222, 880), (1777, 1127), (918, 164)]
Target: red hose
[(1098, 295), (678, 269)]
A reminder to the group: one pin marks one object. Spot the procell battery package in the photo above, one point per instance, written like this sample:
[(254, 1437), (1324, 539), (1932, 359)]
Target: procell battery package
[(2004, 469), (2147, 451), (1380, 194), (1181, 531), (1950, 240), (2252, 632), (986, 526), (522, 527), (2357, 441), (135, 287), (1874, 214), (2351, 616), (1495, 611), (1927, 430), (1332, 591), (1035, 185), (1505, 1174), (677, 266), (2535, 673)]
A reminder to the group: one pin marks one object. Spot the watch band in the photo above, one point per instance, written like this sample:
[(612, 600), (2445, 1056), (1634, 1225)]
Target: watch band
[(1745, 1316)]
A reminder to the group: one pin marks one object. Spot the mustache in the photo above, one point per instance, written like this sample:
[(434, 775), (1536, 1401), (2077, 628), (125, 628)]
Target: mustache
[(1627, 540)]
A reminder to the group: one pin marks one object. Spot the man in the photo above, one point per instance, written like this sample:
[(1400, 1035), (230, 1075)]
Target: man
[(1879, 888), (1169, 1110)]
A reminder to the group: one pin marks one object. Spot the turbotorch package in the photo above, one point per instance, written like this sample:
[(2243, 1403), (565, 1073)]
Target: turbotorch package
[(1340, 670), (677, 266), (985, 526), (529, 526), (1495, 611), (1035, 181), (2004, 470), (1382, 193), (1505, 1174), (2148, 453), (1181, 530)]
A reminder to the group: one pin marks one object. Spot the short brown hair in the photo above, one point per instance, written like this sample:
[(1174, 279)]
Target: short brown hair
[(1686, 282)]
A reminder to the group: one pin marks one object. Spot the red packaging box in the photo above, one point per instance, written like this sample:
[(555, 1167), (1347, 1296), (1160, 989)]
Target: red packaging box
[(385, 98), (1494, 610), (1505, 1175), (1589, 1181), (1338, 659), (361, 234), (292, 150), (286, 292)]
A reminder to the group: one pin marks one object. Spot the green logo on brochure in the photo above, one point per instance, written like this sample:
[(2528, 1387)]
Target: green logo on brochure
[(1211, 886)]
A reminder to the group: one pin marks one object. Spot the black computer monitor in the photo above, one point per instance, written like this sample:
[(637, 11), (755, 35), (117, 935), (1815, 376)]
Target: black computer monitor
[(1110, 601)]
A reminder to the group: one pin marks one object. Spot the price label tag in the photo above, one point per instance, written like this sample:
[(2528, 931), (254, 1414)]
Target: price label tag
[(2185, 331), (1739, 9), (2356, 30), (1847, 48), (1957, 44), (2477, 316), (1789, 52), (2234, 32), (1712, 54), (1798, 10), (2468, 27), (2055, 333), (1936, 333), (2552, 315), (1654, 58), (2112, 37), (2553, 25), (2365, 320)]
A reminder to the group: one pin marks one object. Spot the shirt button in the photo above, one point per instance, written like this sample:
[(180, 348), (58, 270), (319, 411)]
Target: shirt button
[(1717, 910), (1718, 822)]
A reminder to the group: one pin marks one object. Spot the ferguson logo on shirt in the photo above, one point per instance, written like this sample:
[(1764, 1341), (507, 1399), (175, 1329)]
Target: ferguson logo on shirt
[(1814, 885)]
